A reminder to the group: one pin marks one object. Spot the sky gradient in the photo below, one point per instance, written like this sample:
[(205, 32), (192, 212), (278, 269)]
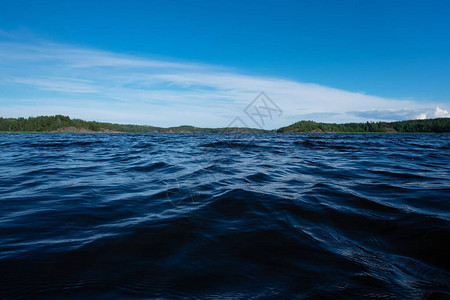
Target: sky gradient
[(169, 63)]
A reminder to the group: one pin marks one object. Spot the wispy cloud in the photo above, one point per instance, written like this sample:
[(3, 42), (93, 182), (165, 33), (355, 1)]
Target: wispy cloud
[(39, 77), (56, 84)]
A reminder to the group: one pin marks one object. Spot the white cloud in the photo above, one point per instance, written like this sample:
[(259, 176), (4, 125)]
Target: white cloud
[(441, 113), (48, 78), (431, 114), (421, 116)]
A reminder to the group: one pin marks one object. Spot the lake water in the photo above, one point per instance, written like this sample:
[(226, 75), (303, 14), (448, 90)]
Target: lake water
[(224, 216)]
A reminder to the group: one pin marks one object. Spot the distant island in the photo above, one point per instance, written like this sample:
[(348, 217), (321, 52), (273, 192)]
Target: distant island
[(60, 123), (440, 125)]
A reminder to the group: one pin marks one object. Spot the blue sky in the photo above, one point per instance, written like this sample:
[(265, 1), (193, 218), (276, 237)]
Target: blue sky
[(170, 63)]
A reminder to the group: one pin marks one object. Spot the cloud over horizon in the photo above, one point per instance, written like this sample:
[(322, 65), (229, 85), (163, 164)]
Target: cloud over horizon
[(43, 78)]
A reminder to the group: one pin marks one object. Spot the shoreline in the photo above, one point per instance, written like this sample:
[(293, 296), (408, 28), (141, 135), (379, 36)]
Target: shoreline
[(228, 133), (64, 124)]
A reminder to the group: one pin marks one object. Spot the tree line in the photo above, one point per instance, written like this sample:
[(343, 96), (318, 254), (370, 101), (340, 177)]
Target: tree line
[(58, 122), (440, 125)]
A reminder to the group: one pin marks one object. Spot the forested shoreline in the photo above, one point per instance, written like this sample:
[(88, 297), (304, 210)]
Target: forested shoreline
[(440, 125), (60, 123)]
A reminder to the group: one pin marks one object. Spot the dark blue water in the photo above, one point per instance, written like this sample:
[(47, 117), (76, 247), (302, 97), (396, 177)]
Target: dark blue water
[(224, 216)]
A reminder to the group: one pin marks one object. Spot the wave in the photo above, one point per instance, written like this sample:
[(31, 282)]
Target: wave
[(168, 216)]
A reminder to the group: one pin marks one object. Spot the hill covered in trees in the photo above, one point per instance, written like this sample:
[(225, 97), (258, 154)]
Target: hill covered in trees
[(61, 123), (441, 125)]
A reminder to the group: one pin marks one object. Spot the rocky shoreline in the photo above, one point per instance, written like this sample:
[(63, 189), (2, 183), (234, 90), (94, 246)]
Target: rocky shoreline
[(72, 129)]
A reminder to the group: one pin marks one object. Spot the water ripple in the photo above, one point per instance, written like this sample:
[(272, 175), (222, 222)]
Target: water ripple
[(224, 216)]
